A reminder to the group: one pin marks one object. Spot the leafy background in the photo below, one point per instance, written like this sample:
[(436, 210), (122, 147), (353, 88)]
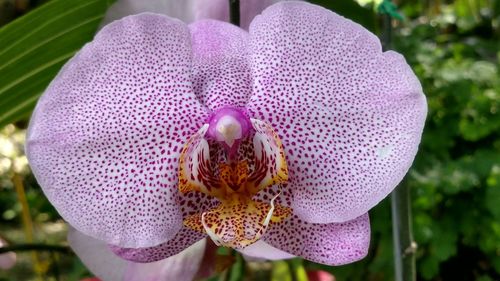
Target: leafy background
[(454, 48)]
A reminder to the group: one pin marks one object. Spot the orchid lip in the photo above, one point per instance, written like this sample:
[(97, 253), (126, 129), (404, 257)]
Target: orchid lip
[(238, 220)]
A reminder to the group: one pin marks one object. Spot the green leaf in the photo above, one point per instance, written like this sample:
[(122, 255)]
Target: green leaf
[(35, 46), (389, 8)]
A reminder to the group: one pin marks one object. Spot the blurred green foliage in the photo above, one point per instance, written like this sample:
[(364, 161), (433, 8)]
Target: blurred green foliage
[(456, 176), (454, 48)]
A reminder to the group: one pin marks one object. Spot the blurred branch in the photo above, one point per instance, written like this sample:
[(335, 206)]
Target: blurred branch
[(35, 247), (234, 12)]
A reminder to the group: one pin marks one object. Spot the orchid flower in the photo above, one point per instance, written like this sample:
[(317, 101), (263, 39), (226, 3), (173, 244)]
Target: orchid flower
[(275, 142)]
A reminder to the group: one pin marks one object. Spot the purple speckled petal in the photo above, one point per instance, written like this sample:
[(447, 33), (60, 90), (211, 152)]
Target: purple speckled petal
[(262, 250), (184, 238), (181, 267), (190, 204), (105, 137), (331, 244), (350, 116), (96, 256), (221, 72), (108, 267)]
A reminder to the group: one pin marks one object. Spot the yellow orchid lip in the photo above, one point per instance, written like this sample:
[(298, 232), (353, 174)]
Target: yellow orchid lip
[(238, 220)]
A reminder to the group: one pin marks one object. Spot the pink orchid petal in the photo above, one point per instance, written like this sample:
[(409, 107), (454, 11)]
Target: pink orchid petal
[(108, 267), (331, 244), (181, 267), (262, 250), (184, 239), (190, 204), (188, 10), (208, 261), (350, 116), (96, 256), (221, 71), (105, 137)]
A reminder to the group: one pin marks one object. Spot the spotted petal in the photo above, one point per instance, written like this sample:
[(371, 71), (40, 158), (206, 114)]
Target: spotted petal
[(221, 68), (184, 266), (331, 244), (105, 137), (350, 116), (191, 203), (184, 239), (108, 267)]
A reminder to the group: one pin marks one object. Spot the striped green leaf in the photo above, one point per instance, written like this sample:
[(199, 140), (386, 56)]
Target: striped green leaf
[(35, 46)]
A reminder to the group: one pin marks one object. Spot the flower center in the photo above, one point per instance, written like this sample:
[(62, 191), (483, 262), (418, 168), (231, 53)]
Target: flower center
[(233, 158)]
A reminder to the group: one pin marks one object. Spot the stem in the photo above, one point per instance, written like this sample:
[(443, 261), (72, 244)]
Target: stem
[(404, 246), (234, 12), (386, 36), (35, 247), (17, 181)]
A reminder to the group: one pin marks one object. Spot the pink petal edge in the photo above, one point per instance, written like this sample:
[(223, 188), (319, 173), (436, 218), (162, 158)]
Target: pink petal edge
[(331, 244), (181, 241), (98, 258)]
